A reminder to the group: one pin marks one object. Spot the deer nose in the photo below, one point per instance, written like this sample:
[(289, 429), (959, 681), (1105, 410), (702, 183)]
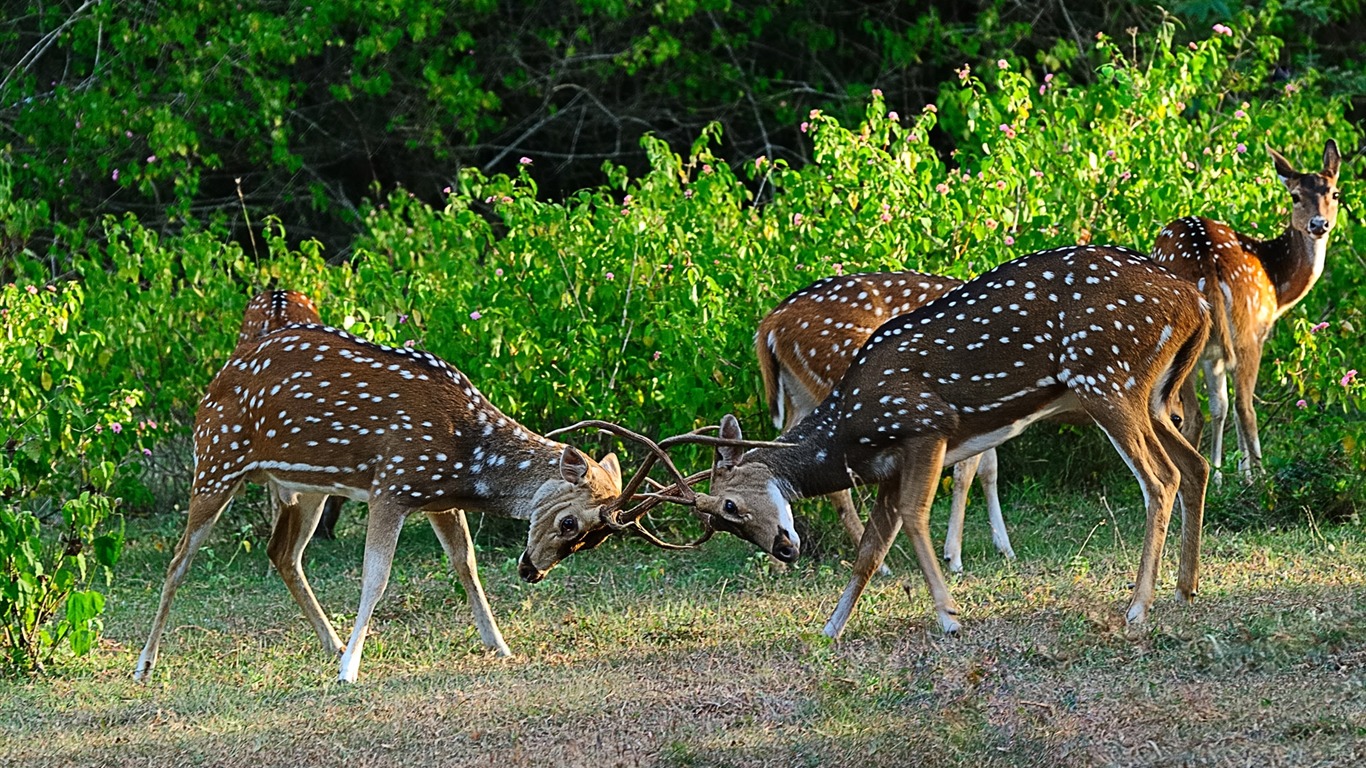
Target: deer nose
[(1318, 226), (529, 572), (784, 549)]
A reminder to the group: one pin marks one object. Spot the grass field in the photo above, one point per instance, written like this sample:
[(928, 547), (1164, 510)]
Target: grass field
[(630, 656)]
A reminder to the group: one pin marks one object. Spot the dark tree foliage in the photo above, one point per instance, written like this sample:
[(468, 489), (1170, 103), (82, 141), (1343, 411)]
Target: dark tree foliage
[(219, 113)]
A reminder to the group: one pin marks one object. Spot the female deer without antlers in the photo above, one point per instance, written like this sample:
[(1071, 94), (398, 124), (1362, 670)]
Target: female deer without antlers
[(806, 344), (1250, 283), (316, 411), (1094, 329)]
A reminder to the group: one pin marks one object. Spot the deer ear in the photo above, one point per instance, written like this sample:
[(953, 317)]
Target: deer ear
[(1284, 169), (1332, 160), (728, 456), (573, 465), (612, 467)]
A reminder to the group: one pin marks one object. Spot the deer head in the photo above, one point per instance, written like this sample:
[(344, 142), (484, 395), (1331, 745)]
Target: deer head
[(1314, 195), (764, 519)]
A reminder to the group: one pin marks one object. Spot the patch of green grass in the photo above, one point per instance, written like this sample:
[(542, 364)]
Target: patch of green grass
[(632, 656)]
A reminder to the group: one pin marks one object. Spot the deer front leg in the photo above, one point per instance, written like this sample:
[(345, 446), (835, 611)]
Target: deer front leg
[(205, 509), (381, 539), (844, 505), (883, 523), (294, 524), (921, 464), (988, 473), (453, 532)]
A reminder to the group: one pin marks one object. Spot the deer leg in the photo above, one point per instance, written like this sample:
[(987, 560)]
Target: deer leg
[(205, 508), (294, 524), (327, 524), (1192, 417), (1216, 384), (921, 465), (987, 476), (883, 523), (381, 539), (1244, 395), (1194, 477), (454, 534), (963, 473), (1137, 444), (848, 512)]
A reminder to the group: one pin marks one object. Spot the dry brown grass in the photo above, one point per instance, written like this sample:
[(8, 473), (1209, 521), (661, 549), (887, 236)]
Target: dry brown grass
[(630, 658)]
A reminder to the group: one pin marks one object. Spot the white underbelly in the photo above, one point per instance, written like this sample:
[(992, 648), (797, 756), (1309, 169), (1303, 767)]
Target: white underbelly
[(288, 488), (978, 443)]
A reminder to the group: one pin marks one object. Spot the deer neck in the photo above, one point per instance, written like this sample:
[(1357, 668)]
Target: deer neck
[(1293, 262), (503, 468), (818, 462)]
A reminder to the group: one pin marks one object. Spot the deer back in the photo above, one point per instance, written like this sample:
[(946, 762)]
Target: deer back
[(806, 343)]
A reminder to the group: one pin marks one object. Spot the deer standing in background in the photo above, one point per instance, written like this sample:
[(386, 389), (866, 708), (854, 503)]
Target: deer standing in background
[(1249, 283), (1100, 330), (269, 311), (314, 411), (806, 344)]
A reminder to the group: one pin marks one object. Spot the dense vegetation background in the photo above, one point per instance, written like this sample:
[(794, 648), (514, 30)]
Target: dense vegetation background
[(587, 205)]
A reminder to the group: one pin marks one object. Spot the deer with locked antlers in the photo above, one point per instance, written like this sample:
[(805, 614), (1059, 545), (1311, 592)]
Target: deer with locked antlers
[(806, 344), (315, 411), (1250, 283), (270, 311), (1096, 330)]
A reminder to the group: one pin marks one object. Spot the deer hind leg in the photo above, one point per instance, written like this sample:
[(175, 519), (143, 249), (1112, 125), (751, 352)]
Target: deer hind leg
[(848, 512), (1134, 438), (453, 532), (381, 539), (963, 473), (988, 475), (1244, 395), (1216, 384), (205, 509), (294, 524), (1192, 417), (1194, 471), (883, 524)]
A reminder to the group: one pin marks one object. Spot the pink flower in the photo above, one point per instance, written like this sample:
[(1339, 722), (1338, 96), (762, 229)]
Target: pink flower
[(964, 73), (1318, 327), (610, 276), (941, 188), (115, 175), (706, 167), (151, 158), (1240, 114), (1125, 176), (886, 217), (804, 126), (117, 427), (877, 91), (1001, 185), (476, 314), (498, 272), (1008, 130), (99, 428), (33, 289), (1290, 88), (839, 268), (128, 134), (687, 194), (1048, 78), (1301, 404), (1036, 173), (525, 161), (932, 109), (1241, 148), (893, 116), (991, 224), (1002, 64), (1110, 153), (402, 318), (151, 424), (797, 219), (1349, 378), (1010, 240), (759, 161), (408, 344), (506, 199), (1223, 30), (146, 451), (445, 190), (656, 355), (1193, 46)]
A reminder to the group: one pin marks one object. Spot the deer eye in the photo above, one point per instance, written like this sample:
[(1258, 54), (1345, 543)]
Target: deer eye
[(569, 524), (1337, 195), (730, 508)]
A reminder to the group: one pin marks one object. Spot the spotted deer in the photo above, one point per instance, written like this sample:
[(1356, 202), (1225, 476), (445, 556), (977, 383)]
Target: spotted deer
[(1100, 330), (806, 344), (270, 311), (1250, 283), (315, 411)]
